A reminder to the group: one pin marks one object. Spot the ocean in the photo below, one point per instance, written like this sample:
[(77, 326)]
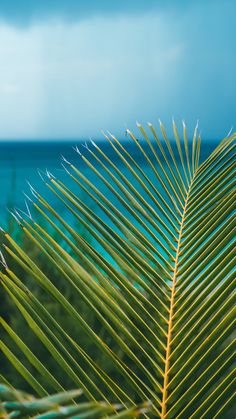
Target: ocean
[(21, 161)]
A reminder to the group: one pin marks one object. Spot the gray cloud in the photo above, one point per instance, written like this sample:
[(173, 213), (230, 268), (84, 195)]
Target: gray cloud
[(61, 79), (25, 12)]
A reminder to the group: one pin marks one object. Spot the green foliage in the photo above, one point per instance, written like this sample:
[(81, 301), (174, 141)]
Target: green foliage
[(157, 280), (10, 313), (17, 404)]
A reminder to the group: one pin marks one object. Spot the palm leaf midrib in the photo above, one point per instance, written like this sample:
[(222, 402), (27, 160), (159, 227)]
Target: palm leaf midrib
[(172, 301)]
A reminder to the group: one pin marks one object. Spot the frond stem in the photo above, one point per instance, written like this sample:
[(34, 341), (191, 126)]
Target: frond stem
[(171, 312)]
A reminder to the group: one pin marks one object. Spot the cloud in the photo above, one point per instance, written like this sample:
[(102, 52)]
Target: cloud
[(63, 80), (26, 12), (77, 79), (9, 88)]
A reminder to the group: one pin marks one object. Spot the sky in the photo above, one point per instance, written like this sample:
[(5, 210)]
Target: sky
[(69, 69)]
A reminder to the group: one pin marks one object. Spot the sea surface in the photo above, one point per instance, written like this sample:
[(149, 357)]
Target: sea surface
[(21, 162)]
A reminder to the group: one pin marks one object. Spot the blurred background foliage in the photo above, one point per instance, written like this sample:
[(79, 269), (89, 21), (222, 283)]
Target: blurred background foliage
[(10, 313)]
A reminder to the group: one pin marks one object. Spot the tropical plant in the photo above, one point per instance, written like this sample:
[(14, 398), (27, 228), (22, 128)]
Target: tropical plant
[(10, 313), (159, 278), (17, 404)]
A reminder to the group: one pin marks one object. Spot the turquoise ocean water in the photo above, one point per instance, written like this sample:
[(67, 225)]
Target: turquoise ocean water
[(20, 162)]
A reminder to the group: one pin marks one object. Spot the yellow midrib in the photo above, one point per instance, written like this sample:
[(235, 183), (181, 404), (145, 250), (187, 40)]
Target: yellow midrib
[(169, 334)]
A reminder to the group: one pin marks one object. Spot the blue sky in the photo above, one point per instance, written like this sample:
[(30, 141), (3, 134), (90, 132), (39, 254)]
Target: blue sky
[(71, 68)]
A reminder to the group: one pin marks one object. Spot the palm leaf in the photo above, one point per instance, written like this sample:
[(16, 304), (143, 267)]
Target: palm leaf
[(158, 276), (17, 404)]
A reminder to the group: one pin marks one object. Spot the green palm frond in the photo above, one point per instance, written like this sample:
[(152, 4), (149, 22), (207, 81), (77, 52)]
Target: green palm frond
[(157, 276), (16, 404)]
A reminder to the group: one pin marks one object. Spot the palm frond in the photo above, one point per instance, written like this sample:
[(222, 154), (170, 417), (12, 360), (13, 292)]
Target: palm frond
[(14, 403), (158, 276)]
